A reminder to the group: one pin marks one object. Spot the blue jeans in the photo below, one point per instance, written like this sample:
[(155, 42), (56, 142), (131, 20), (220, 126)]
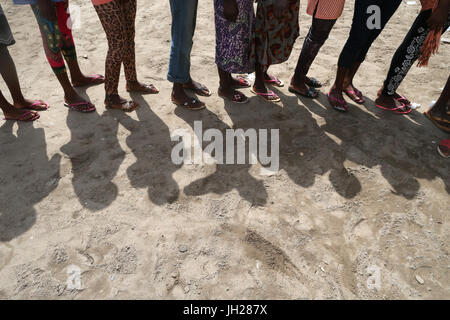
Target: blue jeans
[(184, 17)]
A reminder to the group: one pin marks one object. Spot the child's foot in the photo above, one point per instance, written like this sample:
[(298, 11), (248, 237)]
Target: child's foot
[(117, 102), (354, 94), (83, 81), (75, 102), (337, 101), (12, 113), (232, 95), (138, 87), (273, 80), (300, 88), (240, 82), (389, 103), (35, 105), (313, 82), (197, 88)]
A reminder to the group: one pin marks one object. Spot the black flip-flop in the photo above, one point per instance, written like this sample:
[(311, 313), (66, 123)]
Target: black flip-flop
[(311, 93), (313, 82)]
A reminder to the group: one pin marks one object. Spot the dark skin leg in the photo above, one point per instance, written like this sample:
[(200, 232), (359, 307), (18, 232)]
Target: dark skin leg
[(350, 75), (441, 108), (70, 95), (338, 86), (198, 87), (180, 96), (388, 101), (11, 112), (78, 78), (227, 84), (298, 83), (137, 86), (9, 74), (260, 75), (115, 101)]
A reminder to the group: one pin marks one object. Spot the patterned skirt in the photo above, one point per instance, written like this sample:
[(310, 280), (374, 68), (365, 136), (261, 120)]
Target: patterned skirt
[(234, 39), (275, 37), (6, 36)]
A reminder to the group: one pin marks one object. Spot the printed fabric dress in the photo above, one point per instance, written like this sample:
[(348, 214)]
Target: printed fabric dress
[(275, 37), (234, 39), (6, 36)]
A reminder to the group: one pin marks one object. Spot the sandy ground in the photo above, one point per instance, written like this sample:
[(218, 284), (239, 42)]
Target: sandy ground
[(359, 208)]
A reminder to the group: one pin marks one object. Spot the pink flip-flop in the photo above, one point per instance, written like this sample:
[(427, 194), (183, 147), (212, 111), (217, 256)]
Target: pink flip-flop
[(36, 103), (24, 117), (267, 96), (341, 104), (403, 109), (77, 106), (355, 93), (274, 81)]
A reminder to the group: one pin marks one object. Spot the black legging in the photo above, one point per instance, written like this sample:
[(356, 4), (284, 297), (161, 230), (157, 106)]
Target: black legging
[(361, 37), (317, 35), (408, 52)]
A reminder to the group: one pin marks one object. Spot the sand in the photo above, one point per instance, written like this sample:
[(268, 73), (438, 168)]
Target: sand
[(358, 210)]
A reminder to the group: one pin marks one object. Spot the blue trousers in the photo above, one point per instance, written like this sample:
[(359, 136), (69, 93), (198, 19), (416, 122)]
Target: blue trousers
[(184, 17)]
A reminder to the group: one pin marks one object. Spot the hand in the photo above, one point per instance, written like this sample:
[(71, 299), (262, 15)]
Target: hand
[(280, 8), (47, 10), (230, 10)]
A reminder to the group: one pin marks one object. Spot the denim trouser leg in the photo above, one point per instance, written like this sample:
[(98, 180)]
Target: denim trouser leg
[(184, 17)]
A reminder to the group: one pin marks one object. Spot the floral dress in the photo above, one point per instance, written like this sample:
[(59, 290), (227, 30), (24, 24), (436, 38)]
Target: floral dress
[(275, 37), (234, 39)]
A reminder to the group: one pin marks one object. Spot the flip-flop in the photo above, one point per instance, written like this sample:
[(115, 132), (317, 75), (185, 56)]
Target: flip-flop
[(355, 93), (403, 109), (127, 106), (341, 104), (313, 82), (94, 80), (24, 117), (444, 127), (37, 103), (77, 106), (267, 96), (202, 91), (238, 97), (148, 89), (189, 105), (243, 83), (311, 93), (274, 81), (405, 101), (444, 147)]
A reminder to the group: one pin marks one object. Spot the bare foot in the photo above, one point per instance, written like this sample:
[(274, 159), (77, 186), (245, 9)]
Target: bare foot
[(117, 102), (83, 81), (12, 113), (136, 86), (36, 105), (197, 88)]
